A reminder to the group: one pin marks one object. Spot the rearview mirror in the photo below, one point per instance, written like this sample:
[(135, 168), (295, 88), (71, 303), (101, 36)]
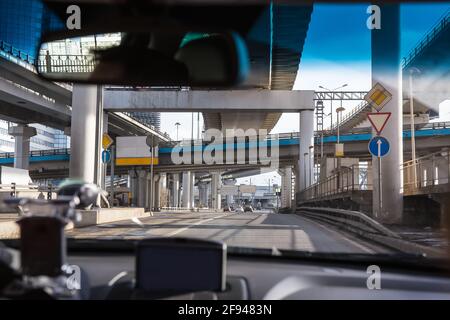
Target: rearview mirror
[(209, 60)]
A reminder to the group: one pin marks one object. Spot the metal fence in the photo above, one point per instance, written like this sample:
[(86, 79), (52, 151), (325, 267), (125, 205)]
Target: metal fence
[(66, 63), (428, 171), (16, 190), (16, 53), (346, 179), (38, 153)]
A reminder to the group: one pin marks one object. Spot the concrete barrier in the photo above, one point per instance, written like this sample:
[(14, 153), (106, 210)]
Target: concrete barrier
[(105, 215)]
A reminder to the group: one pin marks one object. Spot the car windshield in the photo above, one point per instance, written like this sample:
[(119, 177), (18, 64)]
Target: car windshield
[(333, 138)]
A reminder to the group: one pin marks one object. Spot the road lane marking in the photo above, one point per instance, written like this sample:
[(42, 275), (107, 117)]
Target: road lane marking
[(137, 221), (194, 224), (116, 278)]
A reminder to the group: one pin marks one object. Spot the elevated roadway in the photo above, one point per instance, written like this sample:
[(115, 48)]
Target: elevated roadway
[(26, 98), (430, 138)]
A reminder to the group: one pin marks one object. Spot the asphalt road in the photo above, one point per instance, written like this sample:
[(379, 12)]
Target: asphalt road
[(260, 230)]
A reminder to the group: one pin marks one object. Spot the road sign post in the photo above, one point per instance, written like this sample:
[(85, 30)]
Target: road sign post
[(152, 142), (112, 175), (379, 147)]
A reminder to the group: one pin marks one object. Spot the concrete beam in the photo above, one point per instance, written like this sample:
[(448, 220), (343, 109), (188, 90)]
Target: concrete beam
[(27, 100), (200, 100)]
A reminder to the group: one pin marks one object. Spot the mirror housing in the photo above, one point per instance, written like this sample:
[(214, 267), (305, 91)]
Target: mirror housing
[(214, 60)]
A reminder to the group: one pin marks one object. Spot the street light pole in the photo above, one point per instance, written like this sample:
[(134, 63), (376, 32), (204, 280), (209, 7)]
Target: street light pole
[(311, 177), (177, 124), (338, 116), (304, 168), (411, 113)]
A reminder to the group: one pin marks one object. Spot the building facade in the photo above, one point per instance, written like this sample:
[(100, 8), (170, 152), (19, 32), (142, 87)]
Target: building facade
[(20, 26)]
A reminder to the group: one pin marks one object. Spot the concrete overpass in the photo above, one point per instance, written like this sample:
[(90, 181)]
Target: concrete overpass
[(430, 138), (275, 43), (429, 61), (26, 98)]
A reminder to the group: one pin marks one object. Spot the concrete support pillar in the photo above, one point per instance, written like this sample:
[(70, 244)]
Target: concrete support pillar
[(230, 198), (84, 157), (156, 193), (216, 199), (286, 187), (306, 155), (163, 199), (132, 174), (192, 187), (22, 135), (142, 192), (186, 197), (386, 70), (175, 190), (203, 194)]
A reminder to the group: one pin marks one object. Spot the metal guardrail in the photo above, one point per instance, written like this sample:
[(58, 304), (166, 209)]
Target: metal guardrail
[(16, 53), (347, 179), (367, 228), (348, 116), (441, 25), (66, 63), (13, 189), (432, 170), (39, 153)]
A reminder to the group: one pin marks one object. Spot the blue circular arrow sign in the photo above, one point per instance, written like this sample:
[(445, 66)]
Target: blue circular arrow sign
[(106, 156), (378, 146)]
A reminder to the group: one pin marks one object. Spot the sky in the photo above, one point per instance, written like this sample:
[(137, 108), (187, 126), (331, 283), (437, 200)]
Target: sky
[(336, 52)]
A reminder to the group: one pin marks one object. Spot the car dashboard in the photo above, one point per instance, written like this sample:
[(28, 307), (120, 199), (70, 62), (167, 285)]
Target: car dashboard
[(111, 276)]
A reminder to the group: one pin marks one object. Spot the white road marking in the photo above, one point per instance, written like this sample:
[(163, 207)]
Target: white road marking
[(117, 277), (193, 224), (137, 221)]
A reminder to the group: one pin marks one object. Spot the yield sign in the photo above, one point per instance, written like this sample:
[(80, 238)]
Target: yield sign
[(378, 120)]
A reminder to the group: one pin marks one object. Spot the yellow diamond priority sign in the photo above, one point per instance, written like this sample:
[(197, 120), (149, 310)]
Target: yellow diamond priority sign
[(107, 141), (378, 96)]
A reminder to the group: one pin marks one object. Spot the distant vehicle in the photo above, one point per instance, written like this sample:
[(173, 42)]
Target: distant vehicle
[(248, 208), (258, 206), (228, 208)]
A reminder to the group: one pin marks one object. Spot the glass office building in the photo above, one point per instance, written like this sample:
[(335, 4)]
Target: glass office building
[(20, 26), (20, 23)]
